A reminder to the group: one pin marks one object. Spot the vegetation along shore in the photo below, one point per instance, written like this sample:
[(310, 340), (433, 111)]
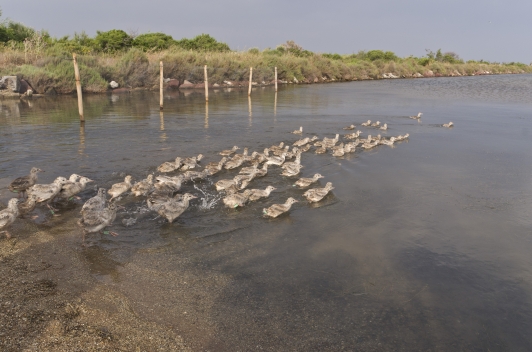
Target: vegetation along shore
[(44, 64)]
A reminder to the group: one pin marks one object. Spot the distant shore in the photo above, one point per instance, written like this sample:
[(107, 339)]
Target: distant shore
[(184, 69)]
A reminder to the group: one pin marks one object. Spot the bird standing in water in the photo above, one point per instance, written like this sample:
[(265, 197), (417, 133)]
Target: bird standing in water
[(8, 216), (21, 184)]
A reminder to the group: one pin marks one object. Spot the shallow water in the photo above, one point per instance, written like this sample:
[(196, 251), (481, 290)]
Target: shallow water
[(424, 246)]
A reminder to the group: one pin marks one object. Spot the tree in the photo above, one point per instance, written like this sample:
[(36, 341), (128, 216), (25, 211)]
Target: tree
[(202, 42), (157, 41), (113, 40)]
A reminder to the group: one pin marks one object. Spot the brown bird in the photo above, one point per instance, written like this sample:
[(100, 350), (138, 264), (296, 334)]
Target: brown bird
[(277, 209), (21, 184)]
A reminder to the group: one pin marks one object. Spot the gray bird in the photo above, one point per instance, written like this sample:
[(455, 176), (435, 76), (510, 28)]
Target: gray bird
[(8, 215), (95, 203), (47, 192), (174, 207), (97, 220), (317, 194), (277, 209)]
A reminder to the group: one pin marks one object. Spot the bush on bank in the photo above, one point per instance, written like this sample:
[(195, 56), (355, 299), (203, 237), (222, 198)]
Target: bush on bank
[(133, 61)]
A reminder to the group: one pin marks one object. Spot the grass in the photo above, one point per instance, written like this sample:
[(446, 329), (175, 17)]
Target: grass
[(52, 67)]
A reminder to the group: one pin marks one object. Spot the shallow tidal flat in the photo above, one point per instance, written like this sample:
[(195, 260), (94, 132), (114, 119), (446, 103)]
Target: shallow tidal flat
[(421, 246)]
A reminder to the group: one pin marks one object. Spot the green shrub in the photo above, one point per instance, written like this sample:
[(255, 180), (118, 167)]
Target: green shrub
[(15, 31), (374, 55), (113, 40), (202, 42), (153, 41), (133, 69)]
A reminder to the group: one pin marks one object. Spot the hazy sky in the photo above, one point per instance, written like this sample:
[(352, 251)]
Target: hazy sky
[(493, 30)]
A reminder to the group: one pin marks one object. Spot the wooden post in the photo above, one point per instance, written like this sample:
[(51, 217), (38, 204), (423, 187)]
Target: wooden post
[(78, 88), (276, 79), (250, 78), (206, 83), (161, 86)]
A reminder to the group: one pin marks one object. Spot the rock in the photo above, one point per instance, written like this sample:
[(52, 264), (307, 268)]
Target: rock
[(50, 91), (316, 80), (166, 80), (295, 80), (187, 85), (216, 85), (429, 73), (29, 92), (263, 83), (172, 84), (228, 83), (113, 85), (6, 93), (24, 86), (417, 75), (254, 84), (121, 90), (11, 83), (389, 75)]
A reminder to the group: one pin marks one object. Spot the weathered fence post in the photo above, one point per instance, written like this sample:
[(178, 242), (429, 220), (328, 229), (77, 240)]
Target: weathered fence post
[(161, 86), (78, 88), (276, 79), (206, 83), (250, 78)]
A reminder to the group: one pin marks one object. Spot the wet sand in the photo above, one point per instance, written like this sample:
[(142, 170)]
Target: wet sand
[(50, 301)]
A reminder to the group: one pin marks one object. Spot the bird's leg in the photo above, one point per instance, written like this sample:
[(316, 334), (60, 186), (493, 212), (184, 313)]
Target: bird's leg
[(114, 234), (52, 209)]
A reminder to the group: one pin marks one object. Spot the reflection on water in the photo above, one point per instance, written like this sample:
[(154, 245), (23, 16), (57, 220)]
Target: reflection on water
[(425, 246)]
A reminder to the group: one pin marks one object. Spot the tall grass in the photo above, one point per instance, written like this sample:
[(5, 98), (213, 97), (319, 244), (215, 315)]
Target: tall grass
[(47, 68)]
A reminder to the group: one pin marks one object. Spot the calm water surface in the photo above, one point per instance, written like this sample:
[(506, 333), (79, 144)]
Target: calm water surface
[(424, 246)]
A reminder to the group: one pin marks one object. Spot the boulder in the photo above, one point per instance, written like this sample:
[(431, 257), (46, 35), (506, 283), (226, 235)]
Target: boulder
[(417, 75), (11, 83), (216, 85), (187, 85), (6, 93), (429, 73), (113, 85), (316, 80), (50, 91), (121, 90), (228, 83), (24, 86), (166, 80), (172, 84), (295, 80)]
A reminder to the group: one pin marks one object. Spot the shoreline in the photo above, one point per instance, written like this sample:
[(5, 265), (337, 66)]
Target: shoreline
[(171, 85), (50, 300)]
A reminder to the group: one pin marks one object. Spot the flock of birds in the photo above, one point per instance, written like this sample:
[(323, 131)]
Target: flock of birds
[(162, 191)]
